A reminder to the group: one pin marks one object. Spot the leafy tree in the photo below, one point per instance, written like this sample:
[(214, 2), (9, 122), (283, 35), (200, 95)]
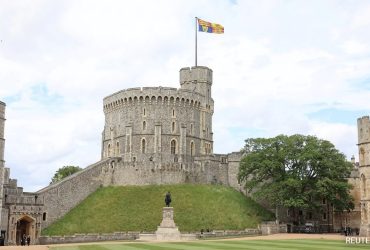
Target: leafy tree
[(64, 172), (296, 172)]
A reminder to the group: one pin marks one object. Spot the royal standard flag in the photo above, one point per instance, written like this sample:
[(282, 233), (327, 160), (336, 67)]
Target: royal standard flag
[(208, 27)]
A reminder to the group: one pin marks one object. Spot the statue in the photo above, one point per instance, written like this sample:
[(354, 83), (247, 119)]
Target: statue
[(167, 199)]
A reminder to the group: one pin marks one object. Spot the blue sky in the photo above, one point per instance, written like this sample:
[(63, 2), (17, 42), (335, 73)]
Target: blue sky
[(282, 67)]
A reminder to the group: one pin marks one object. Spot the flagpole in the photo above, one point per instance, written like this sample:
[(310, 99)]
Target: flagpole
[(196, 42)]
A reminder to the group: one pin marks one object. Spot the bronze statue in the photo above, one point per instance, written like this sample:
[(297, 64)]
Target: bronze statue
[(167, 199)]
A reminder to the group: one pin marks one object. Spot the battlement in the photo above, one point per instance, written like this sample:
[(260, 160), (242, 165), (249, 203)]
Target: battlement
[(151, 95), (2, 110), (195, 74), (363, 126)]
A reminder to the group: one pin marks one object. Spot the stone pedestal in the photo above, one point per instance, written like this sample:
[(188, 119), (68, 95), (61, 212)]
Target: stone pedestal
[(167, 230)]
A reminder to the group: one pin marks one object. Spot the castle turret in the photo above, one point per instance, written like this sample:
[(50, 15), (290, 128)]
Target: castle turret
[(363, 126), (2, 139), (199, 79)]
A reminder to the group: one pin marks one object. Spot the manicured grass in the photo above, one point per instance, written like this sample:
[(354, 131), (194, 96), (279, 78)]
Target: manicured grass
[(139, 208), (227, 245)]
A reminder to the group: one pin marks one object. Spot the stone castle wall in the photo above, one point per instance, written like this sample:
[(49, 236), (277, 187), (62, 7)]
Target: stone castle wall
[(61, 197), (363, 125)]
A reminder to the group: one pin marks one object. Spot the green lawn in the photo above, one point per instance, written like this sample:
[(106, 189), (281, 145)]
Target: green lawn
[(236, 244), (139, 208)]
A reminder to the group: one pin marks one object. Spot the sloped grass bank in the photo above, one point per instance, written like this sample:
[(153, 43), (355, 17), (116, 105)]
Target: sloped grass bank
[(139, 208)]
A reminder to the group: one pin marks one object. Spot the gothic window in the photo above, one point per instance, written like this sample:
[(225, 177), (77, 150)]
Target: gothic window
[(144, 125), (173, 147), (173, 127), (192, 148), (143, 146), (117, 149), (324, 216), (363, 184), (109, 150)]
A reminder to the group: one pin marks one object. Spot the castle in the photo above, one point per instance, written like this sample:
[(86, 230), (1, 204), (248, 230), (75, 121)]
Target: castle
[(152, 135)]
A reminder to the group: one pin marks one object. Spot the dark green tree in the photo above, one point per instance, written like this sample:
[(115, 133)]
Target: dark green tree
[(63, 172), (296, 172)]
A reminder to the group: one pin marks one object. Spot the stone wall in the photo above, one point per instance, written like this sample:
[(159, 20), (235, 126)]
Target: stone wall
[(61, 197), (79, 238)]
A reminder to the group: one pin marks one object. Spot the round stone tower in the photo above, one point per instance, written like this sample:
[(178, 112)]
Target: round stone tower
[(363, 126), (161, 124), (2, 139)]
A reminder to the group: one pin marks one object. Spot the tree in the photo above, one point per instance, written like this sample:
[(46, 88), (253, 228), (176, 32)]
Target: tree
[(296, 172), (64, 172)]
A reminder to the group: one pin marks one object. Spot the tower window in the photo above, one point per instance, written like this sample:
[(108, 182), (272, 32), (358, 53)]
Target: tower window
[(117, 149), (173, 127), (192, 148), (44, 216), (173, 147), (144, 125), (191, 128), (144, 114), (173, 113), (109, 150), (143, 146)]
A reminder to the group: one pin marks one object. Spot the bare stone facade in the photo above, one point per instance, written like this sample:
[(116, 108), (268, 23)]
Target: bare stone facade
[(363, 126)]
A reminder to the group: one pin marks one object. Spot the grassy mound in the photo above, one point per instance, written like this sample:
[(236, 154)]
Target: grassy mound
[(139, 208)]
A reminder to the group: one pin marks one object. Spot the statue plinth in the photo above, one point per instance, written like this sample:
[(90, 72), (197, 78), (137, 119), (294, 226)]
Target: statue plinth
[(167, 230)]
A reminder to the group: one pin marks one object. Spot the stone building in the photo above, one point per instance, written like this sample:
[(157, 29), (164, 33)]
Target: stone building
[(152, 135), (363, 126), (21, 212)]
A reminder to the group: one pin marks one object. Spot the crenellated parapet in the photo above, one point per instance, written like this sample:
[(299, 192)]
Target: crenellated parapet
[(151, 96)]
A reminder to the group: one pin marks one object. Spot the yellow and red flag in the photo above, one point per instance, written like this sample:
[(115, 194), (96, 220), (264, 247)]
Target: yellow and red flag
[(204, 26)]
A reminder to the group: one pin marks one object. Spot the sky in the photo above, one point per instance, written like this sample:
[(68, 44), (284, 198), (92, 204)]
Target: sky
[(281, 67)]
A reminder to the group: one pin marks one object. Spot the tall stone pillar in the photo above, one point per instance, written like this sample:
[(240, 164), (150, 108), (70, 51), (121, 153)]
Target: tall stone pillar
[(2, 164), (363, 126), (157, 137), (2, 139), (128, 146), (182, 146)]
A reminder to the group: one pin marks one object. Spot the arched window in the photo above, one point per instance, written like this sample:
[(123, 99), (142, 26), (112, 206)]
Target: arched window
[(143, 146), (173, 127), (117, 149), (192, 148), (173, 147), (109, 150), (363, 184), (144, 125)]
